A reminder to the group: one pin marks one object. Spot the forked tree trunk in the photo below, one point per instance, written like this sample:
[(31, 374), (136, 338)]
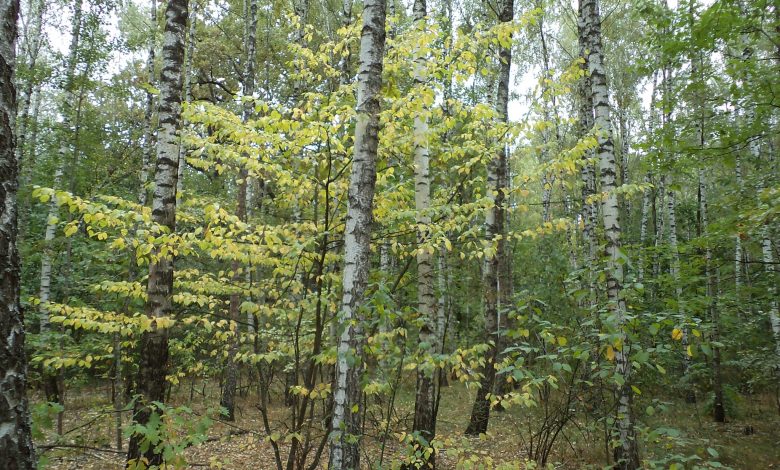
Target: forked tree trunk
[(231, 368), (627, 451), (345, 440), (153, 364), (16, 447), (494, 228)]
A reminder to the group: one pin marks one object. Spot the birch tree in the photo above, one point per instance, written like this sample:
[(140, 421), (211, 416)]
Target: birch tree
[(425, 406), (30, 50), (143, 193), (53, 383), (151, 381), (16, 447), (627, 450), (231, 368), (495, 231), (345, 439)]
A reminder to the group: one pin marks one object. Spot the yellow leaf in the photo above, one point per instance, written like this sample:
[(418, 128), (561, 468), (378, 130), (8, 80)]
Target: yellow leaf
[(690, 351), (610, 353), (677, 334)]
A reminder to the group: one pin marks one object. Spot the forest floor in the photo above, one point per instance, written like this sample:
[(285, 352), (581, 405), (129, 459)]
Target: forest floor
[(242, 444)]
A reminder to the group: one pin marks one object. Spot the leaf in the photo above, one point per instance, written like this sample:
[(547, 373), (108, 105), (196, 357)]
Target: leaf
[(713, 452), (610, 353), (677, 334)]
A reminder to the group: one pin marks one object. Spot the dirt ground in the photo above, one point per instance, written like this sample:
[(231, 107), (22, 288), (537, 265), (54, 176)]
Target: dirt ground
[(243, 445)]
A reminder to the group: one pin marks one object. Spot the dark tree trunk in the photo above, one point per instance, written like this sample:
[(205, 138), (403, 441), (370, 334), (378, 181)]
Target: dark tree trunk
[(494, 226), (231, 368)]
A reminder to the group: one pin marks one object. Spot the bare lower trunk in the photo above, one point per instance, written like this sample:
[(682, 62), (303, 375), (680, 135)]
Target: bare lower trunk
[(738, 239), (346, 425), (153, 365)]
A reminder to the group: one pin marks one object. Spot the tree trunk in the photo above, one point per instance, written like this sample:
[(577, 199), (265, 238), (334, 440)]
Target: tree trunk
[(193, 19), (588, 211), (674, 270), (149, 112), (719, 413), (16, 447), (494, 229), (30, 50), (425, 406), (53, 383), (68, 105), (231, 368), (738, 238), (627, 452), (153, 365), (344, 447), (647, 193)]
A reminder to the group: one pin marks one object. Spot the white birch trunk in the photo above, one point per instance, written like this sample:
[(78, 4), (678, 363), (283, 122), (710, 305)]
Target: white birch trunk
[(30, 49), (193, 19), (16, 447), (738, 238), (345, 438), (627, 452), (424, 417), (67, 110), (149, 112), (153, 364), (769, 269)]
